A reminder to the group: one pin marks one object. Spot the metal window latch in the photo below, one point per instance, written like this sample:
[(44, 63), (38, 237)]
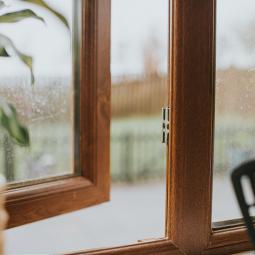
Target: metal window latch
[(165, 124)]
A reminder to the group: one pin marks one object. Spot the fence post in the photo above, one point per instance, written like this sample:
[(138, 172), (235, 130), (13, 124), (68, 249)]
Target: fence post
[(8, 147), (127, 157)]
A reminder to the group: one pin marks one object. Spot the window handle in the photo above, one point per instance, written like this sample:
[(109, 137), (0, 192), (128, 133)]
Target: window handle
[(165, 124)]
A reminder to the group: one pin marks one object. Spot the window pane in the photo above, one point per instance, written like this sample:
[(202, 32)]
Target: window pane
[(45, 107), (235, 93), (136, 210)]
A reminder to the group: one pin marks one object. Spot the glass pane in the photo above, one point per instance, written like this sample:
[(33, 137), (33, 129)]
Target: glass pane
[(235, 93), (45, 107), (136, 210)]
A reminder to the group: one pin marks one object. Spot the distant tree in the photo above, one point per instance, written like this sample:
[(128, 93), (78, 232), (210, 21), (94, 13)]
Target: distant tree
[(151, 56)]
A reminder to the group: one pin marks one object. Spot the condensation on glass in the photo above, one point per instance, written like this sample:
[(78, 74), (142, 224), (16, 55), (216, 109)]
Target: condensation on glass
[(47, 107), (235, 100)]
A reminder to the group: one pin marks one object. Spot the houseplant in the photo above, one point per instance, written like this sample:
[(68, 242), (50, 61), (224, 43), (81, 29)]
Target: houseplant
[(8, 115), (9, 121)]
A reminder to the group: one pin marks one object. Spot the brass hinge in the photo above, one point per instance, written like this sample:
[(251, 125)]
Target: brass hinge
[(165, 124)]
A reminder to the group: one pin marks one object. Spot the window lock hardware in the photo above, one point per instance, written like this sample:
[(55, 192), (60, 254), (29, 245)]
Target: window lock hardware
[(165, 124)]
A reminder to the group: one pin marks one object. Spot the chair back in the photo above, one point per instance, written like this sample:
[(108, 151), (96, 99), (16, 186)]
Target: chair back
[(245, 170)]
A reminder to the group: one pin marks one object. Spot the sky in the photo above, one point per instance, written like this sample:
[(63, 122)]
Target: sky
[(134, 24), (235, 30), (49, 44)]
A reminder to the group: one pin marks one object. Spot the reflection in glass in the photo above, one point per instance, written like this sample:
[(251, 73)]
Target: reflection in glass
[(46, 107), (235, 94)]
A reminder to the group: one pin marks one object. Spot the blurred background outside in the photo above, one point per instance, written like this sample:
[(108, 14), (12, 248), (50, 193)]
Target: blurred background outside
[(139, 67), (234, 140)]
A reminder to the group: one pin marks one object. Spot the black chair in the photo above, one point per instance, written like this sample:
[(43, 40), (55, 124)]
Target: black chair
[(245, 170)]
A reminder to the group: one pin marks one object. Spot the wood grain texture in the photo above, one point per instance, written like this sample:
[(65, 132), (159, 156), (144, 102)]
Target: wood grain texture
[(189, 177), (162, 247), (36, 202), (192, 101), (157, 247), (228, 236), (230, 240), (192, 124), (3, 215), (225, 249)]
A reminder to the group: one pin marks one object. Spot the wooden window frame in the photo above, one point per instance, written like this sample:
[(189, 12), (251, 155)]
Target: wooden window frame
[(192, 126), (190, 159), (36, 202), (190, 155)]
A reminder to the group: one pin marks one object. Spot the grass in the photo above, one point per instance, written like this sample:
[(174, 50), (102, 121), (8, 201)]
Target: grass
[(137, 153)]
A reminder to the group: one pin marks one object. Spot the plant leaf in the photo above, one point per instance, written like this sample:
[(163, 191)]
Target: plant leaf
[(9, 121), (42, 4), (3, 52), (28, 61), (8, 45), (17, 16)]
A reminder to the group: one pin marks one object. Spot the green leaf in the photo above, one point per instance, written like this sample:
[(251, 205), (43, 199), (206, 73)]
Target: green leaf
[(9, 121), (17, 16), (8, 45), (42, 4), (3, 52), (28, 61)]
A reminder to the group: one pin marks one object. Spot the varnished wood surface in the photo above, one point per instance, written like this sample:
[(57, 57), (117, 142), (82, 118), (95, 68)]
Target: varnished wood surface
[(228, 241), (228, 237), (162, 247), (189, 178), (3, 215), (192, 101), (192, 125), (36, 202)]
